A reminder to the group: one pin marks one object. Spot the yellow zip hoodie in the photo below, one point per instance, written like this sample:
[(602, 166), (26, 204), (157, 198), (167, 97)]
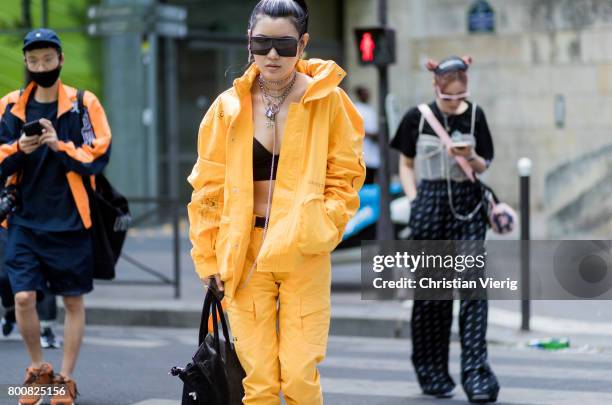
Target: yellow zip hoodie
[(320, 172)]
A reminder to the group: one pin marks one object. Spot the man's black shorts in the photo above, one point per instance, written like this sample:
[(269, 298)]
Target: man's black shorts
[(63, 260)]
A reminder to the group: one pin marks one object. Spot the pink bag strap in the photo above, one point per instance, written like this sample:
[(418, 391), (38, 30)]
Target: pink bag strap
[(446, 140)]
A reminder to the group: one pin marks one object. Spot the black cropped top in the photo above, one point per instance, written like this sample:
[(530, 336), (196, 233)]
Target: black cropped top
[(262, 160)]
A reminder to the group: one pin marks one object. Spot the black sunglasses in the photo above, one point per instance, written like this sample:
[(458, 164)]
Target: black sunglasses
[(286, 46)]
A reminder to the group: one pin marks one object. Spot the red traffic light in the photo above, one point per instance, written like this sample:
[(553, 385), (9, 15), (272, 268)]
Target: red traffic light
[(367, 47), (375, 46)]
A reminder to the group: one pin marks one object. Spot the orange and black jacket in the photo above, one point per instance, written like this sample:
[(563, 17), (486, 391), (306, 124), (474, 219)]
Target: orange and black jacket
[(84, 139)]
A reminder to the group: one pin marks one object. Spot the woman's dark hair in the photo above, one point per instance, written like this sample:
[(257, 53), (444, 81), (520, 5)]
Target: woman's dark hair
[(297, 10)]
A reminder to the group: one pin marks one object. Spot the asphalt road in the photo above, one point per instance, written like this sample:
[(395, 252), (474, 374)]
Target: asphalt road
[(128, 366)]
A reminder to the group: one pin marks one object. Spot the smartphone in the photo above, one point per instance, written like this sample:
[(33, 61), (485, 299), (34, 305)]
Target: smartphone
[(32, 128), (460, 145)]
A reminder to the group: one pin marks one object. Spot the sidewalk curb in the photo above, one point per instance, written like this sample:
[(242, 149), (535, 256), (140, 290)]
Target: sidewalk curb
[(190, 318), (341, 325)]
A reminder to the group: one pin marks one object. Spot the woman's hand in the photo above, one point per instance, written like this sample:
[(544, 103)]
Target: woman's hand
[(217, 278), (478, 164), (407, 176)]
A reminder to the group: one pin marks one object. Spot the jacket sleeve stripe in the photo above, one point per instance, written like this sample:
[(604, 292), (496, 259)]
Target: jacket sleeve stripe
[(102, 134), (99, 123), (7, 150)]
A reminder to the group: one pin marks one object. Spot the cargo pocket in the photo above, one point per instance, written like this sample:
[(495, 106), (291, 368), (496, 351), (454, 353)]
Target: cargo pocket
[(315, 317), (316, 233), (242, 321)]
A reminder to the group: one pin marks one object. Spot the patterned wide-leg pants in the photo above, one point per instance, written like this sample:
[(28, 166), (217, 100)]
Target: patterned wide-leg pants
[(432, 219)]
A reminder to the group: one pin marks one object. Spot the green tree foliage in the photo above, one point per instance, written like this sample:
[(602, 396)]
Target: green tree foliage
[(69, 19)]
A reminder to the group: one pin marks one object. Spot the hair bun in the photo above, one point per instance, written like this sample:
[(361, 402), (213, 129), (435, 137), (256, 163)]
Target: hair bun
[(467, 59), (431, 65)]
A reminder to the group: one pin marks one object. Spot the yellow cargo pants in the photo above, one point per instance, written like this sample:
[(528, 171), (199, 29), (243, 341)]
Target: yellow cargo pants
[(280, 323)]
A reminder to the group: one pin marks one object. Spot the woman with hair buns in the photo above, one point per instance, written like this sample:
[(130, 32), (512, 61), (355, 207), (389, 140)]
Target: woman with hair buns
[(445, 207), (277, 179)]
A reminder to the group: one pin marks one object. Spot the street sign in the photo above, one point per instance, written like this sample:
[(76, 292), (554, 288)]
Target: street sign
[(375, 46), (171, 29), (164, 20), (481, 17), (172, 13), (114, 12), (107, 28)]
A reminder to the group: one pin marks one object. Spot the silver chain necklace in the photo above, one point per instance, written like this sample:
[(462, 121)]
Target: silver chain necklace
[(272, 102), (273, 83), (270, 124)]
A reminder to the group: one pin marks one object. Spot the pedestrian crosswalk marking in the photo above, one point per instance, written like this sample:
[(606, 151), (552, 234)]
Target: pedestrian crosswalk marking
[(510, 319), (114, 342), (403, 347), (533, 377), (405, 389), (391, 355), (516, 353), (404, 365)]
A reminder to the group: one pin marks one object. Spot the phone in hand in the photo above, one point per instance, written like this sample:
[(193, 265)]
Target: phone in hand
[(460, 145), (33, 128)]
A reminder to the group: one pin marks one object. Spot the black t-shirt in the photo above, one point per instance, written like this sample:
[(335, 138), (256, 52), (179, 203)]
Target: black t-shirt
[(47, 203), (407, 134)]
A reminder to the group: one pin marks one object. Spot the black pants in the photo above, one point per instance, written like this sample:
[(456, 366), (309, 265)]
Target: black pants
[(431, 218), (6, 294)]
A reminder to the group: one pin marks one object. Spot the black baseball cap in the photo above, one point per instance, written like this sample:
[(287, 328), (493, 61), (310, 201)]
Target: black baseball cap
[(40, 36)]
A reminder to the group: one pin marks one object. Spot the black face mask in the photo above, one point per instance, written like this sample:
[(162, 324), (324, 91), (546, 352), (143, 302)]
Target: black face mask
[(45, 79)]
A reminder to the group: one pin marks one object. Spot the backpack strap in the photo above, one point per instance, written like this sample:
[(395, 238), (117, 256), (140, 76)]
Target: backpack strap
[(91, 181), (474, 108), (421, 124), (81, 103)]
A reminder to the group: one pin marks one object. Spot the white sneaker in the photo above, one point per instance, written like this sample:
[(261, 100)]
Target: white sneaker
[(48, 340)]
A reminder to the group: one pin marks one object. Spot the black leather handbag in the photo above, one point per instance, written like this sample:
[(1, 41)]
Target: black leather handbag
[(214, 376)]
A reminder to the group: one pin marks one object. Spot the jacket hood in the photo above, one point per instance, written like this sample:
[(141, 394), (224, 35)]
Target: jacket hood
[(326, 75)]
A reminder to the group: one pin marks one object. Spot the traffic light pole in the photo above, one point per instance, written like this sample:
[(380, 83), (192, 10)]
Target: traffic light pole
[(384, 227)]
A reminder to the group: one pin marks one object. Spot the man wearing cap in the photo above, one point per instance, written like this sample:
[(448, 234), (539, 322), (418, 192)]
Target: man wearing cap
[(48, 236)]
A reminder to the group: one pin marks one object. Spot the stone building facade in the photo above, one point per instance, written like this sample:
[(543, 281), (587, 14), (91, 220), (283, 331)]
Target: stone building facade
[(544, 79)]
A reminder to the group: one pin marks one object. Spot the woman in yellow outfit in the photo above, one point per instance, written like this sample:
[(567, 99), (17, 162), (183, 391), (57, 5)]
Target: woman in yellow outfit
[(277, 179)]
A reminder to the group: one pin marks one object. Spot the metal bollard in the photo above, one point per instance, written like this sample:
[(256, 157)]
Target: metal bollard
[(524, 169)]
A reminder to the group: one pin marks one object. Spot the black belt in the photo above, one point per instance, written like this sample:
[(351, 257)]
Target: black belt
[(260, 222)]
